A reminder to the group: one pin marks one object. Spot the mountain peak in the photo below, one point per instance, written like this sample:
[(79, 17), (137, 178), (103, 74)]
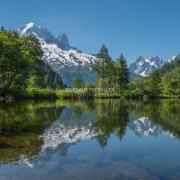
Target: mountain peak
[(38, 31), (144, 66), (60, 55), (26, 27), (63, 41)]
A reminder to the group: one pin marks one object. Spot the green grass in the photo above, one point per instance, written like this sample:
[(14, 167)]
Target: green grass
[(37, 93), (74, 94), (107, 95)]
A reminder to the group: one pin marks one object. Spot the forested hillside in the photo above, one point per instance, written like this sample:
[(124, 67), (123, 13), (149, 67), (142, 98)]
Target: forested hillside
[(162, 82), (21, 66)]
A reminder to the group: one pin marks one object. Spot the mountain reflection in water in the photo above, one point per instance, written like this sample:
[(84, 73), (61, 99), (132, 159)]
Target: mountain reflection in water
[(33, 133)]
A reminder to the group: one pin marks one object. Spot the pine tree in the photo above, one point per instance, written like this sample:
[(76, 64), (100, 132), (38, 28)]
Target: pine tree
[(122, 73), (103, 63)]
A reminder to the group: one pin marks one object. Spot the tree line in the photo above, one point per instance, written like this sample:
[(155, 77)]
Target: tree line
[(110, 73), (163, 82), (115, 74)]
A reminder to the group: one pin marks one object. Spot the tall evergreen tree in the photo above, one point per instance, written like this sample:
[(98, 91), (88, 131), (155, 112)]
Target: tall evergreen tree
[(103, 64), (122, 72)]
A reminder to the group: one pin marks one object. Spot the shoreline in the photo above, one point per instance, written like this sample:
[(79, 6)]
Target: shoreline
[(48, 94)]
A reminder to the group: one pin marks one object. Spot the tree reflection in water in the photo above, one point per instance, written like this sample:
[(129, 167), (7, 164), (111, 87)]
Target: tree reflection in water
[(41, 129)]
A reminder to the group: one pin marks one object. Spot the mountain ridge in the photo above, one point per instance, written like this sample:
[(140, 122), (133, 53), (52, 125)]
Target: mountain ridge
[(66, 59), (57, 50), (144, 66)]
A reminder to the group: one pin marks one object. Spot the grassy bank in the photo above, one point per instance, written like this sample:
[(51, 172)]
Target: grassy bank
[(36, 93), (101, 95), (75, 94)]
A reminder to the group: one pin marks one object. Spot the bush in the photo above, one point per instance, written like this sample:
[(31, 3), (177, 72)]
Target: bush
[(75, 94), (35, 93), (107, 95)]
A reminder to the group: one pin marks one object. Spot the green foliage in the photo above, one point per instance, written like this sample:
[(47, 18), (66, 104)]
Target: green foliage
[(68, 74), (139, 88), (104, 64), (75, 94), (43, 76), (171, 82), (21, 65), (35, 93), (14, 59), (122, 73), (105, 95), (164, 82), (111, 73), (78, 82), (102, 83), (154, 84), (22, 71), (90, 85)]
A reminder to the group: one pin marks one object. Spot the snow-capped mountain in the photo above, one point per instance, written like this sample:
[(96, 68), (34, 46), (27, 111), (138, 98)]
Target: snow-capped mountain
[(64, 58), (71, 62), (57, 51), (144, 66)]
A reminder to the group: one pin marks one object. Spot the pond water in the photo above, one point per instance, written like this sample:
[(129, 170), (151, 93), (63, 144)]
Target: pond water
[(101, 139)]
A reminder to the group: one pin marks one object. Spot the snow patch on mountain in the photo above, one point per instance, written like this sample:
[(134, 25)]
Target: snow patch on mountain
[(58, 58), (144, 66), (26, 27), (57, 51)]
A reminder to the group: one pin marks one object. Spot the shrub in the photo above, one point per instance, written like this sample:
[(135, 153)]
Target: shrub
[(35, 93)]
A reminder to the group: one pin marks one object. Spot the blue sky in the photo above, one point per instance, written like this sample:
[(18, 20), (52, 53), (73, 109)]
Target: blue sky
[(133, 27)]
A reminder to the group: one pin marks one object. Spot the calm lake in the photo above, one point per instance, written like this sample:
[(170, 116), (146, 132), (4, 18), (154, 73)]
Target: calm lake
[(101, 139)]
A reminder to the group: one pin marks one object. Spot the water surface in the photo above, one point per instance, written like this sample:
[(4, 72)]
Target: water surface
[(104, 139)]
